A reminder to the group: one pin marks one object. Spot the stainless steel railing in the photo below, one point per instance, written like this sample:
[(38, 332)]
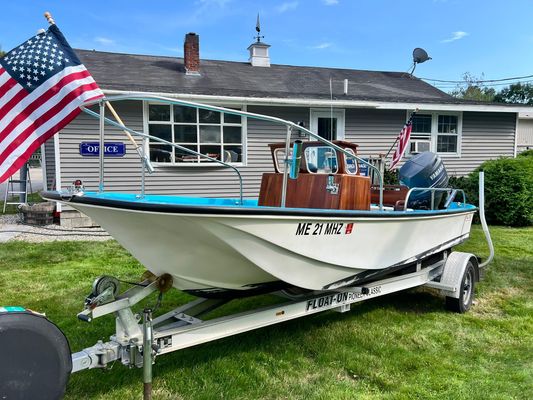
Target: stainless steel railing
[(165, 100), (452, 193)]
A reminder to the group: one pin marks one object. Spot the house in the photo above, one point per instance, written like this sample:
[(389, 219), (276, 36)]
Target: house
[(366, 107), (524, 134)]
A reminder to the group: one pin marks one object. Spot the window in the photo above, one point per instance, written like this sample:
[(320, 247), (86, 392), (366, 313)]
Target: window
[(321, 160), (447, 134), (440, 133), (218, 135)]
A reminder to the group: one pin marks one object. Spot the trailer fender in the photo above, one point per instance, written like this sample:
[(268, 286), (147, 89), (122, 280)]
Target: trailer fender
[(453, 272)]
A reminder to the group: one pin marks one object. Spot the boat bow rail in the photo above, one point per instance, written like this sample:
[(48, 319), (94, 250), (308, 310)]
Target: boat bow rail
[(145, 164)]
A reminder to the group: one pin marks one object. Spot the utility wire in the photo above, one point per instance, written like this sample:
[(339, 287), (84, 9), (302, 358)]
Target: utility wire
[(474, 83), (480, 81)]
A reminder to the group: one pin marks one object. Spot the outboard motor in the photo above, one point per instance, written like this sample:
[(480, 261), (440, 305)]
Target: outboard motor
[(425, 170)]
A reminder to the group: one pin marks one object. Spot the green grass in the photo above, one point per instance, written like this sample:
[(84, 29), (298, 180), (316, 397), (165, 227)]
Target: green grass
[(401, 346)]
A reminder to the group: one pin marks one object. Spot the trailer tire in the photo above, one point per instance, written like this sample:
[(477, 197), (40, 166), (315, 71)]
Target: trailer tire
[(466, 290)]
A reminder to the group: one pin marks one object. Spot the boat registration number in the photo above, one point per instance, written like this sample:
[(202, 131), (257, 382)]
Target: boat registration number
[(323, 228)]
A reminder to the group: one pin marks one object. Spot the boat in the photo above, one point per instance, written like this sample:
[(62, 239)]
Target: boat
[(318, 224)]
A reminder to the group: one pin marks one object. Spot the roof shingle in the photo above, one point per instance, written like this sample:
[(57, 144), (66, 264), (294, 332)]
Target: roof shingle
[(158, 74)]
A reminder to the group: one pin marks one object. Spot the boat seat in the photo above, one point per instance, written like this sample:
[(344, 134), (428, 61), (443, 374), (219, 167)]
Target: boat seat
[(391, 194)]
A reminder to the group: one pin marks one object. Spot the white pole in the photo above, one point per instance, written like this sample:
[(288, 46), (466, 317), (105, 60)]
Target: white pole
[(482, 218), (102, 146)]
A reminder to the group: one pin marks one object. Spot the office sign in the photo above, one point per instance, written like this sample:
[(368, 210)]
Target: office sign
[(111, 149)]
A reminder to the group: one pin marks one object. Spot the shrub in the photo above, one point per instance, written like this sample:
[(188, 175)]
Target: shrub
[(526, 153), (390, 177), (508, 190)]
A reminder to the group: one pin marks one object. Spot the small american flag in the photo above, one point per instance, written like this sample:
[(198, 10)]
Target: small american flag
[(403, 140), (42, 85)]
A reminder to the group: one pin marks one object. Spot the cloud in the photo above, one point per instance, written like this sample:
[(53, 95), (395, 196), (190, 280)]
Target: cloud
[(104, 41), (455, 36), (322, 46), (330, 2), (287, 6)]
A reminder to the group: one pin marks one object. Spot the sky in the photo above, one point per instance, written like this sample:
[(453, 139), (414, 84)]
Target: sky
[(489, 38)]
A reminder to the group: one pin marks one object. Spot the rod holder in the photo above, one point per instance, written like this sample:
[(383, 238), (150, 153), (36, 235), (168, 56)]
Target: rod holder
[(296, 159)]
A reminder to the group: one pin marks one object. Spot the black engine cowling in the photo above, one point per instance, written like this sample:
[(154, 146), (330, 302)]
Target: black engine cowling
[(424, 170)]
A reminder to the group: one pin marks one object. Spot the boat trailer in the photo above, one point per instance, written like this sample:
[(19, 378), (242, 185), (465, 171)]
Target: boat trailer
[(140, 338)]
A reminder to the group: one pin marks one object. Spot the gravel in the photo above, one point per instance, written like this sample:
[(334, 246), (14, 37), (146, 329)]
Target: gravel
[(11, 228)]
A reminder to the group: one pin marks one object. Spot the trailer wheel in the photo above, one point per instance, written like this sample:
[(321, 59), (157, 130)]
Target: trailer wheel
[(466, 295)]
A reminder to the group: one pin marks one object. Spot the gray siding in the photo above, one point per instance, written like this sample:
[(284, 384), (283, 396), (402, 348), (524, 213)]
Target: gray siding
[(373, 130), (123, 174), (485, 136), (50, 164)]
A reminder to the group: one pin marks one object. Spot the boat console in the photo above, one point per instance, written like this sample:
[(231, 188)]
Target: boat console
[(326, 178)]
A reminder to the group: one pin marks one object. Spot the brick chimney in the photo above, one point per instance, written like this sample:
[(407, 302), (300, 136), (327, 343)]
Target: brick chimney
[(191, 54)]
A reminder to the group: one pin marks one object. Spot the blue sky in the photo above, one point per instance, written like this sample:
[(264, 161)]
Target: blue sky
[(490, 37)]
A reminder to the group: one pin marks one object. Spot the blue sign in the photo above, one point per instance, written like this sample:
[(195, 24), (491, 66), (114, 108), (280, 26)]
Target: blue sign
[(363, 168), (111, 149)]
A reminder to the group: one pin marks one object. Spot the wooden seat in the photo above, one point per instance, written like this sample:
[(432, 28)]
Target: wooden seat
[(391, 194)]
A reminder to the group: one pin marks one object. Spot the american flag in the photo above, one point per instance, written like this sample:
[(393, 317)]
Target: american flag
[(42, 85), (403, 141)]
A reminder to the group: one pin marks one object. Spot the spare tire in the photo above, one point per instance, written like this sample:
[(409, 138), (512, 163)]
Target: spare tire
[(35, 361)]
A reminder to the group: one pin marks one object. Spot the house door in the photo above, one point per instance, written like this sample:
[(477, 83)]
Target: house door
[(328, 124)]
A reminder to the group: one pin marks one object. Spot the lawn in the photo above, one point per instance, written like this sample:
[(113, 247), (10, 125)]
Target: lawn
[(401, 346)]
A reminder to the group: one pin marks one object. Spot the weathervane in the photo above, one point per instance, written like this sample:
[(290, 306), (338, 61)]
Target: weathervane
[(258, 29)]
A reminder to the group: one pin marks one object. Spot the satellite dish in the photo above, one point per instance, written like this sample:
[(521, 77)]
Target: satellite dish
[(420, 56)]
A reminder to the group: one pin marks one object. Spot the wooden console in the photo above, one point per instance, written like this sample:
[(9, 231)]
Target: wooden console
[(309, 191)]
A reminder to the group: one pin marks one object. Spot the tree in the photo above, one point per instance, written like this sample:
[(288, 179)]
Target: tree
[(473, 89), (516, 93)]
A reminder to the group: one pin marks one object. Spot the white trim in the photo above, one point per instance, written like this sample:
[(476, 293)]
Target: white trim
[(515, 149), (340, 114), (244, 157), (336, 103), (434, 132), (57, 156), (43, 166)]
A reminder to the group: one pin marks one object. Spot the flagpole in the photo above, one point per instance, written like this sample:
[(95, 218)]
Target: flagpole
[(145, 160), (398, 137)]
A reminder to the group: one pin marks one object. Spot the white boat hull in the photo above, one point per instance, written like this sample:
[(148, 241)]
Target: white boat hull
[(213, 252)]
